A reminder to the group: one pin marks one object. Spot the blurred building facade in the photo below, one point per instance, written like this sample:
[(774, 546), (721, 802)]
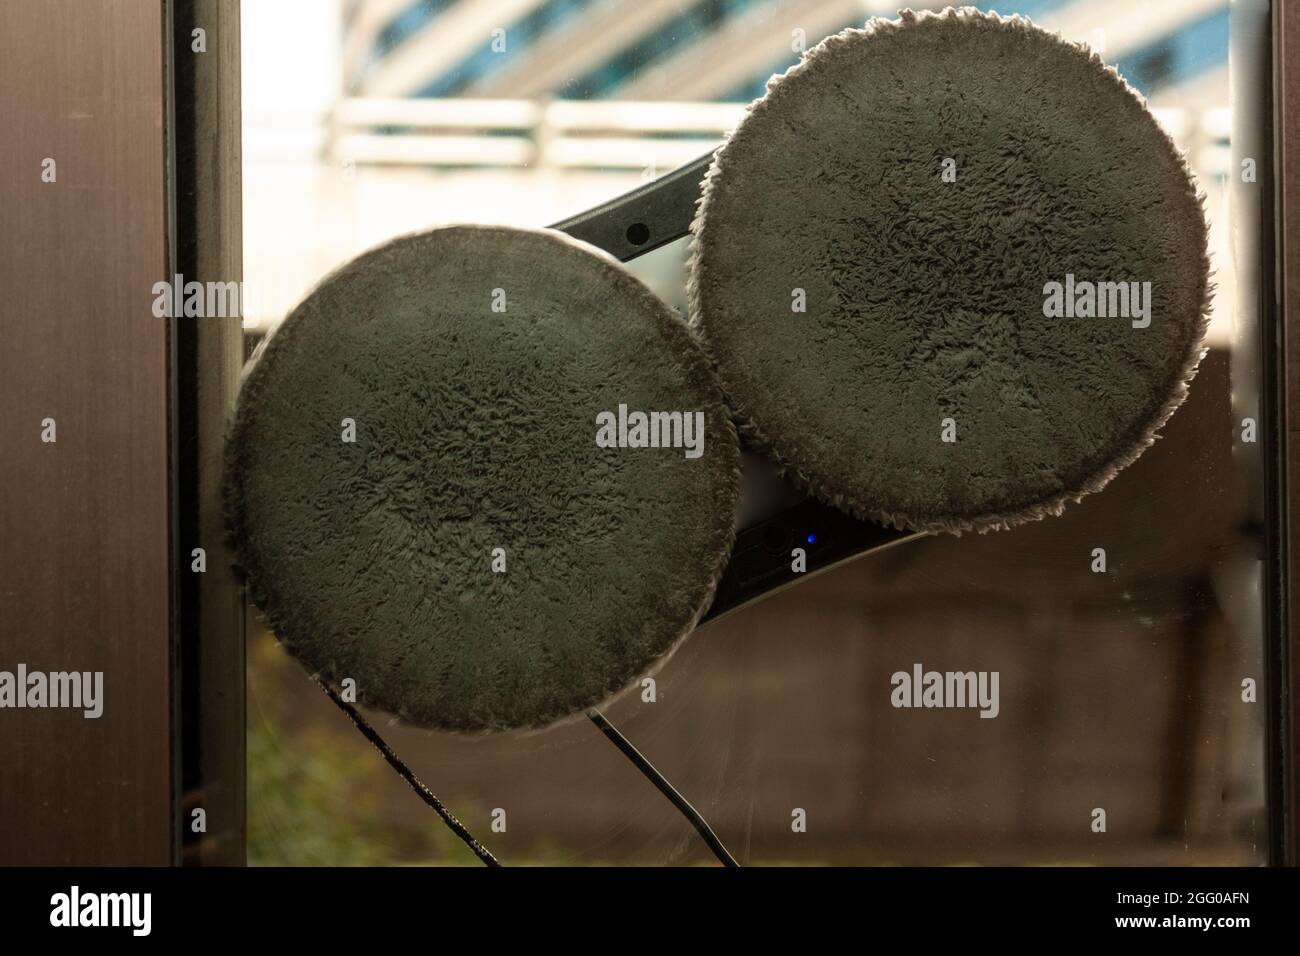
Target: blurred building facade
[(366, 119)]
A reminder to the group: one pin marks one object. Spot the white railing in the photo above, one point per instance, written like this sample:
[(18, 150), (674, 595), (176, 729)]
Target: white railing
[(527, 133), (580, 134)]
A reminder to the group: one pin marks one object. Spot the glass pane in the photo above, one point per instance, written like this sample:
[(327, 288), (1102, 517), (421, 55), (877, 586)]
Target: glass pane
[(1126, 691)]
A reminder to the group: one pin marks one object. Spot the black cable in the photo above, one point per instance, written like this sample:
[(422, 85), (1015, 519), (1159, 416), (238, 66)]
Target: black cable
[(394, 761), (666, 788), (483, 853)]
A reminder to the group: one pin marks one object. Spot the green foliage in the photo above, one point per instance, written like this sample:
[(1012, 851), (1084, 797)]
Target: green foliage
[(317, 792)]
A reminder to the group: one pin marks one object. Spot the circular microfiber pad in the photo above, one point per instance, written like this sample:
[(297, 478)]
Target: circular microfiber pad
[(873, 261), (417, 495)]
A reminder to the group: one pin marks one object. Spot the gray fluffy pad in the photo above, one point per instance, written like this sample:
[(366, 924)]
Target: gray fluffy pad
[(924, 298), (475, 430)]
